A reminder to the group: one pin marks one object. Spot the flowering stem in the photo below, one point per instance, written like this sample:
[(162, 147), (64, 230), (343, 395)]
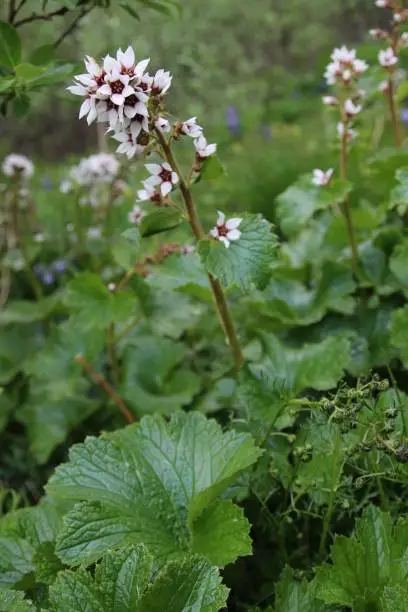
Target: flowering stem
[(112, 353), (393, 112), (220, 300), (99, 380), (346, 203)]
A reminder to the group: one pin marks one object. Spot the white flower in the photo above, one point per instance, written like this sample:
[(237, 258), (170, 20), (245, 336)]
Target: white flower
[(65, 186), (330, 100), (186, 249), (382, 3), (39, 237), (384, 86), (203, 149), (116, 88), (136, 215), (162, 124), (128, 141), (360, 66), (149, 193), (344, 66), (226, 231), (351, 134), (15, 165), (191, 128), (163, 175), (404, 38), (126, 61), (161, 82), (97, 168), (397, 17), (351, 109), (134, 105), (387, 58), (378, 34), (111, 286), (321, 178), (94, 233), (343, 55)]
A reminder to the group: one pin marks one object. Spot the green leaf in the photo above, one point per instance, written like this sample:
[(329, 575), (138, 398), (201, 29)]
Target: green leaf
[(399, 195), (399, 332), (227, 524), (248, 261), (302, 200), (153, 381), (16, 560), (27, 72), (95, 305), (211, 169), (6, 83), (366, 563), (148, 484), (49, 422), (21, 104), (184, 586), (395, 598), (75, 591), (10, 46), (46, 563), (399, 263), (42, 55), (183, 273), (160, 220), (126, 249), (28, 312), (53, 74), (129, 9), (13, 601), (295, 596)]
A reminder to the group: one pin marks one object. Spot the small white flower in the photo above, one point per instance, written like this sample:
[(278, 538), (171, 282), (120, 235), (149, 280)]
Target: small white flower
[(149, 193), (320, 177), (128, 141), (360, 66), (387, 58), (163, 175), (111, 286), (161, 82), (94, 233), (15, 165), (116, 88), (378, 34), (191, 128), (65, 186), (351, 134), (226, 231), (186, 249), (162, 124), (384, 86), (203, 149), (351, 109), (382, 3), (136, 215), (343, 55), (397, 17), (404, 38), (39, 237), (330, 100)]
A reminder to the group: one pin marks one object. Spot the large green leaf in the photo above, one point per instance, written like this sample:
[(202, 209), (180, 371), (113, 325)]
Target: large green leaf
[(302, 200), (364, 564), (10, 46), (248, 261), (121, 584), (160, 220), (149, 483), (295, 595), (13, 601)]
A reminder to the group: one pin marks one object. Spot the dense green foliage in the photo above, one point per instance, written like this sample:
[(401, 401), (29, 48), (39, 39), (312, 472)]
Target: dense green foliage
[(185, 426)]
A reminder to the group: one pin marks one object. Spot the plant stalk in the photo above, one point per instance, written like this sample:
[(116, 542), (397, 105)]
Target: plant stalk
[(393, 112), (220, 299), (346, 203)]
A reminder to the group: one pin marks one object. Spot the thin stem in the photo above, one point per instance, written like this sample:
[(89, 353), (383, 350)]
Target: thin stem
[(44, 17), (220, 300), (113, 359), (346, 203), (330, 505), (393, 112), (72, 27), (103, 384)]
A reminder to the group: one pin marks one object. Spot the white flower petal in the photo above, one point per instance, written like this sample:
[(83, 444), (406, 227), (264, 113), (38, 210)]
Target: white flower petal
[(118, 99), (174, 178), (154, 168), (234, 234), (141, 67), (214, 232), (221, 218), (225, 241), (78, 90), (165, 188), (233, 223), (152, 181), (85, 108)]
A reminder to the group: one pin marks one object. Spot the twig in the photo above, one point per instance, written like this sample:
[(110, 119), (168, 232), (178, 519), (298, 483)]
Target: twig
[(44, 17), (12, 11), (72, 27), (103, 384)]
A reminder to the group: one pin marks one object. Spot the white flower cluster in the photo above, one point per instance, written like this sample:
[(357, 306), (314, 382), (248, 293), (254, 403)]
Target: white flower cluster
[(93, 170), (17, 166), (321, 178), (118, 92), (345, 67)]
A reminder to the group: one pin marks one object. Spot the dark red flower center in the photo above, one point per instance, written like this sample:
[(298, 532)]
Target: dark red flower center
[(222, 230), (143, 138), (117, 87), (165, 175), (132, 100)]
